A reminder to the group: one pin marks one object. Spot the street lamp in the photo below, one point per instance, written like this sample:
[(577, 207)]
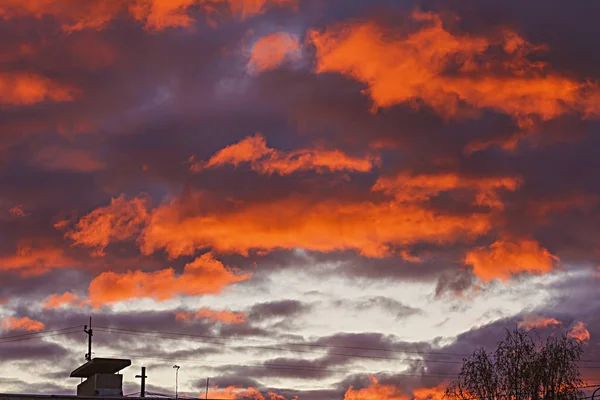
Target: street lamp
[(176, 379)]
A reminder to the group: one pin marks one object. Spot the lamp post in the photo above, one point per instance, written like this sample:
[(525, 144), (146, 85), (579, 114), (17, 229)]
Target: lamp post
[(176, 379)]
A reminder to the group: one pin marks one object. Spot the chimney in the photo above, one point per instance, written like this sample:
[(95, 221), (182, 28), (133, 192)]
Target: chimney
[(102, 378)]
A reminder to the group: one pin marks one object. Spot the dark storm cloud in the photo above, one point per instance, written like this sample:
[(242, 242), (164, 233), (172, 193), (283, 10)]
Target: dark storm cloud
[(27, 387), (454, 283), (14, 351), (564, 311), (142, 327), (571, 49), (278, 309), (327, 106), (435, 259), (394, 307), (229, 379), (331, 359), (39, 287), (284, 367)]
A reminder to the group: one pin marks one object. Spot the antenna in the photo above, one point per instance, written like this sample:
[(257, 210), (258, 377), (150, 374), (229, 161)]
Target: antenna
[(90, 333)]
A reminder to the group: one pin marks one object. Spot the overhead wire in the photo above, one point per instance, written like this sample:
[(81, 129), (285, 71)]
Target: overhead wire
[(38, 335), (184, 337), (39, 332), (267, 365), (188, 337), (160, 335), (191, 338), (433, 352)]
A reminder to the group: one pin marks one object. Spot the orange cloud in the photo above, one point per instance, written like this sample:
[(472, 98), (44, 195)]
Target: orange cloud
[(370, 228), (22, 324), (252, 148), (67, 298), (161, 14), (36, 260), (273, 50), (17, 211), (542, 210), (406, 256), (120, 220), (248, 8), (265, 160), (204, 275), (506, 257), (234, 393), (157, 15), (579, 332), (24, 89), (411, 188), (73, 14), (66, 159), (62, 224), (226, 317), (375, 391), (407, 68), (534, 321), (275, 396), (433, 393)]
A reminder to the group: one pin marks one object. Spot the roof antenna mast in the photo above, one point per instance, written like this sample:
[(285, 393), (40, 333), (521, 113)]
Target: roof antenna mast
[(90, 333)]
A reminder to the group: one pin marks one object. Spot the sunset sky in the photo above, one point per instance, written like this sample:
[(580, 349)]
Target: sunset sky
[(312, 199)]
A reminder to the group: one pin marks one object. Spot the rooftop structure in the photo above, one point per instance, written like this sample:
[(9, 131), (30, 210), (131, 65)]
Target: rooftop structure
[(100, 365), (4, 396), (102, 378)]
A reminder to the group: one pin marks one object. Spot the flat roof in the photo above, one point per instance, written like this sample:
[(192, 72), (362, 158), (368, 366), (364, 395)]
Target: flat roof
[(7, 396), (100, 366)]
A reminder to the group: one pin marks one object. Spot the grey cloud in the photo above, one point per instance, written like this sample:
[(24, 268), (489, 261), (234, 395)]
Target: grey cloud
[(394, 307), (278, 309)]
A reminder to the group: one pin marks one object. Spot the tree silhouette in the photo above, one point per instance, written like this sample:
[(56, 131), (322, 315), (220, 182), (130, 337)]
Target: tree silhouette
[(521, 368)]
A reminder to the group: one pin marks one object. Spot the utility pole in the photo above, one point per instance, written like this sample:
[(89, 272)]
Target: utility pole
[(207, 388), (143, 376), (176, 379), (90, 333)]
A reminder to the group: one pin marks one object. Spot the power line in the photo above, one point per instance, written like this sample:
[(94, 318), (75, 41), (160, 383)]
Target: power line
[(39, 332), (292, 367), (422, 352), (38, 337), (184, 337), (58, 332), (187, 337), (151, 334), (270, 365), (294, 344)]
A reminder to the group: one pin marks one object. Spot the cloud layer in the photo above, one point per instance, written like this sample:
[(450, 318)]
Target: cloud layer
[(296, 198)]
